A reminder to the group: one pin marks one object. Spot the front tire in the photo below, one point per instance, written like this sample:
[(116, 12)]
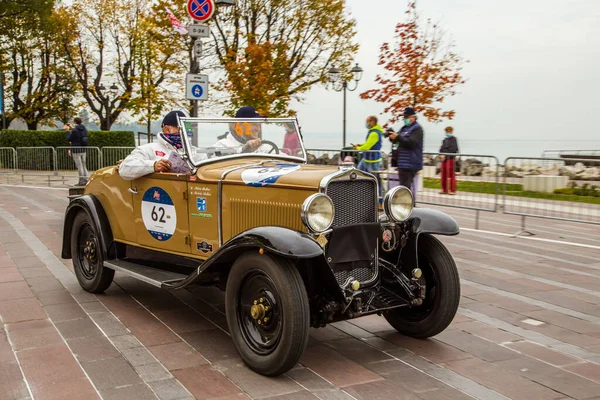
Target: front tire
[(267, 312), (87, 255), (442, 296)]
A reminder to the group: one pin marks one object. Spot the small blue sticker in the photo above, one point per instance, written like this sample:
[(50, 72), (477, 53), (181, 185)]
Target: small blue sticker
[(201, 204)]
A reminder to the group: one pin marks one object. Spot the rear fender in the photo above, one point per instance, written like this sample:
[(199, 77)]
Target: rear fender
[(92, 206)]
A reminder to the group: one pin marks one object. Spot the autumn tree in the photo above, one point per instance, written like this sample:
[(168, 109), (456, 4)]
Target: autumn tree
[(276, 50), (421, 70), (160, 58), (21, 8), (39, 87)]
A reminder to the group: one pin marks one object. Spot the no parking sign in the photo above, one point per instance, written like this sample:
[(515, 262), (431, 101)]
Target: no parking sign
[(201, 10)]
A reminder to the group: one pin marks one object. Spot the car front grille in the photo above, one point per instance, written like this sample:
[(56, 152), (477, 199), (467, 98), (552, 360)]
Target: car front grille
[(355, 203)]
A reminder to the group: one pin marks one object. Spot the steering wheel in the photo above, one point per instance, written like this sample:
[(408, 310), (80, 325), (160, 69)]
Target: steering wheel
[(274, 148)]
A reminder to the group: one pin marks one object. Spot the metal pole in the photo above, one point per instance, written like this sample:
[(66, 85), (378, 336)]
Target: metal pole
[(344, 128), (2, 100)]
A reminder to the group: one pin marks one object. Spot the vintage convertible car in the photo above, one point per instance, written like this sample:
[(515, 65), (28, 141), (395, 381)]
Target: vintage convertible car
[(292, 245)]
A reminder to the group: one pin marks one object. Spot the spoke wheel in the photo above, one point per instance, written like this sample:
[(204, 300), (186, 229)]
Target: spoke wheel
[(442, 294), (267, 312), (88, 260)]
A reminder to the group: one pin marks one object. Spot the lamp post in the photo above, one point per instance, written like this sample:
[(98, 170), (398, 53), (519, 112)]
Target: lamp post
[(111, 91), (343, 85)]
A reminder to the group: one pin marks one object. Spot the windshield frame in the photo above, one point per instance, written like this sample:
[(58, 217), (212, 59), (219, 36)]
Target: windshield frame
[(187, 145)]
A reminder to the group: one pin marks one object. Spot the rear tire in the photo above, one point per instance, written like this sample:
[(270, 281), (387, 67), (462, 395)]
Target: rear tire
[(442, 295), (87, 255), (267, 312)]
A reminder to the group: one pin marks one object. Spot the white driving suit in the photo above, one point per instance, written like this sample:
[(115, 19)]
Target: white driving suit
[(141, 160)]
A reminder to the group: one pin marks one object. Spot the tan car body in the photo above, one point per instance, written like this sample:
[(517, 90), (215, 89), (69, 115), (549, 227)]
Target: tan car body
[(243, 207)]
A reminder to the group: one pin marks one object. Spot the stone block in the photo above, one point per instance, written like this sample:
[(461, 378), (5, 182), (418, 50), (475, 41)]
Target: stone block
[(544, 183)]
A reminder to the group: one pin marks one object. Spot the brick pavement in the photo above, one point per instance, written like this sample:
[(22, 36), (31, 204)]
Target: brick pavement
[(527, 328)]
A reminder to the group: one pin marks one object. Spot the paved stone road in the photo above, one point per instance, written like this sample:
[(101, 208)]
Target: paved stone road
[(527, 328)]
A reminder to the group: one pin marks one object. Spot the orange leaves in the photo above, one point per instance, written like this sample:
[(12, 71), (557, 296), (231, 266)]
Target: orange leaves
[(420, 70)]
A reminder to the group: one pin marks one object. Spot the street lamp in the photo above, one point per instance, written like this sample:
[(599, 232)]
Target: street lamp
[(334, 78), (113, 92)]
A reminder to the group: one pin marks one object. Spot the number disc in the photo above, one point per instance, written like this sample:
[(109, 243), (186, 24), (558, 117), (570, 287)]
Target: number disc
[(158, 213)]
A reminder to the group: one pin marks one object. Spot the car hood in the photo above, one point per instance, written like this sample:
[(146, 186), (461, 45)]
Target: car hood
[(271, 173)]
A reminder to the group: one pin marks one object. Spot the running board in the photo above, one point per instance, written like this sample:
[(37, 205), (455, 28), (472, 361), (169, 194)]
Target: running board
[(153, 276)]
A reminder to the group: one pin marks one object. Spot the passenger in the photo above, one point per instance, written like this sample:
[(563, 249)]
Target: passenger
[(154, 157)]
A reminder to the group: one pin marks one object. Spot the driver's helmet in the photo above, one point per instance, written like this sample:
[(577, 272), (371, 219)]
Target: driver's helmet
[(244, 131)]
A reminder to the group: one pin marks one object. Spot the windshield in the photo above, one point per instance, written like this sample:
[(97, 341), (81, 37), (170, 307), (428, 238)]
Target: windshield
[(213, 139)]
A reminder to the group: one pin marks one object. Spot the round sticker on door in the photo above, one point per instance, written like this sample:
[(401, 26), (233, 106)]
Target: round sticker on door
[(158, 213)]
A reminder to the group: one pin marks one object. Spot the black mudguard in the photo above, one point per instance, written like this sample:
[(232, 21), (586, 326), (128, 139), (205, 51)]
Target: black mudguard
[(281, 241), (425, 220), (92, 206)]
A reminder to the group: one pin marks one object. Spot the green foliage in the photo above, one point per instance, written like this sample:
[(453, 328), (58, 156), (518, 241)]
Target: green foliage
[(574, 190), (41, 160), (58, 138)]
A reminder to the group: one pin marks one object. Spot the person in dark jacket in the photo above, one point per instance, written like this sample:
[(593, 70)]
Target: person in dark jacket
[(79, 141), (410, 148), (449, 146)]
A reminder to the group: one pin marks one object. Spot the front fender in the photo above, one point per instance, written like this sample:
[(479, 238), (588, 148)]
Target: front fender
[(425, 220), (281, 241), (92, 206)]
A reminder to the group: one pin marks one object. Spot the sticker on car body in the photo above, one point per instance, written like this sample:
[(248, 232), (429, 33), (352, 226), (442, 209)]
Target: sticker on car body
[(264, 176), (158, 213)]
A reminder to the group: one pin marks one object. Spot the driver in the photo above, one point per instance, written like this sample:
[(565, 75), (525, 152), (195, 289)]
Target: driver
[(154, 157), (246, 135)]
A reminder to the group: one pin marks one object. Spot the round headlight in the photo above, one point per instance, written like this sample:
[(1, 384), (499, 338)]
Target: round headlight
[(317, 212), (398, 203)]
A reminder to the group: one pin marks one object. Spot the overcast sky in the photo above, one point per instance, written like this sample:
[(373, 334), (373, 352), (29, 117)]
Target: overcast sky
[(534, 71)]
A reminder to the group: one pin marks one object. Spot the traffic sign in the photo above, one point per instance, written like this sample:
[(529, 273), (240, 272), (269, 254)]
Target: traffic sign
[(201, 10), (198, 48), (196, 87), (198, 30)]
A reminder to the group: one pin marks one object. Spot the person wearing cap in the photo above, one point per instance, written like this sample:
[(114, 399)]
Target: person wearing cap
[(154, 157), (371, 160), (410, 148), (245, 136), (449, 146)]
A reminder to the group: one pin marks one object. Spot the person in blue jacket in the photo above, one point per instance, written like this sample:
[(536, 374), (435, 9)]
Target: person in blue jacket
[(410, 148), (371, 160), (79, 141)]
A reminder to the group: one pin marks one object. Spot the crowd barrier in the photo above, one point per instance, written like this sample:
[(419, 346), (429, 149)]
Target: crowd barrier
[(551, 188), (559, 188), (8, 160)]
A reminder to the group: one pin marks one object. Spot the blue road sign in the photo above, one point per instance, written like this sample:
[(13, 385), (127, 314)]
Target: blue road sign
[(197, 91), (201, 10)]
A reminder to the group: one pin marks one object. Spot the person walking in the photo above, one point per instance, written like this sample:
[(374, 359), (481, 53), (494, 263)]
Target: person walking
[(410, 148), (79, 141), (449, 146), (371, 160)]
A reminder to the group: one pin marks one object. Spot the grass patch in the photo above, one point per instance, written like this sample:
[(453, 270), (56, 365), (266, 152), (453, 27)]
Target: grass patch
[(512, 189)]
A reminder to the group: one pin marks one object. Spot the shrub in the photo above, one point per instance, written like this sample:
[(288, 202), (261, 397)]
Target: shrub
[(41, 160), (15, 138), (584, 190)]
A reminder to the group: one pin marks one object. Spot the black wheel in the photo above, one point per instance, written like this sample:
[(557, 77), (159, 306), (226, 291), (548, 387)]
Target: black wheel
[(442, 297), (87, 256), (267, 312)]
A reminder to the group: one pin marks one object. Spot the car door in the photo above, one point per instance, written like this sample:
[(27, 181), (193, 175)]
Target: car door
[(161, 212)]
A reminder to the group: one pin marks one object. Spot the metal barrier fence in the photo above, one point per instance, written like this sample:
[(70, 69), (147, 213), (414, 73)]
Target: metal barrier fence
[(579, 153), (551, 188), (65, 164), (8, 160), (111, 155), (36, 160)]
